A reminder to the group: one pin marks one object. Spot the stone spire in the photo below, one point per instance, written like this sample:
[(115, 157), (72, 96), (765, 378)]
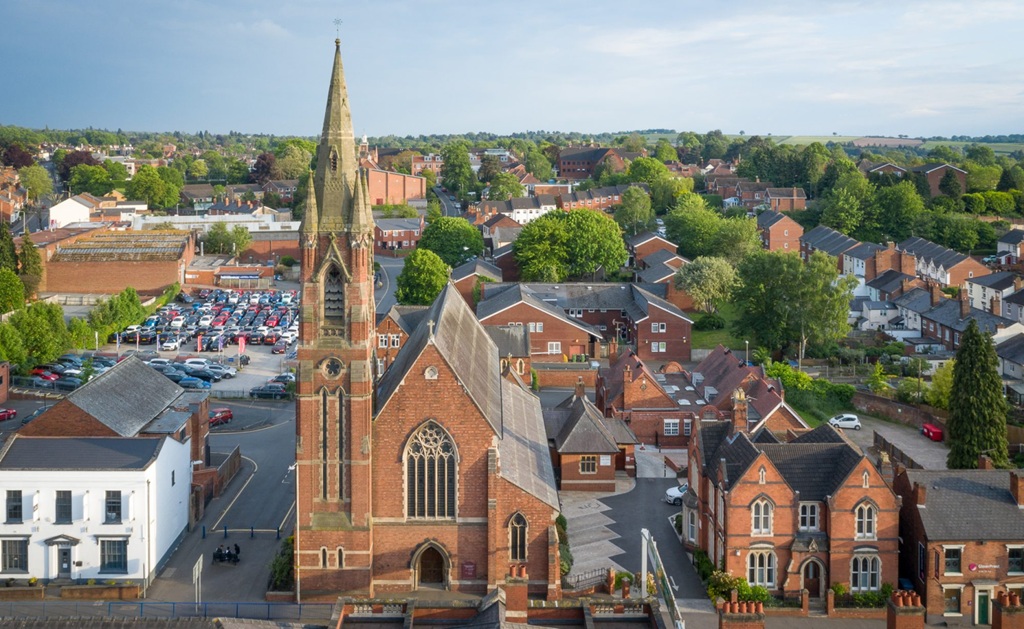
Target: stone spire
[(362, 210), (311, 217), (336, 155)]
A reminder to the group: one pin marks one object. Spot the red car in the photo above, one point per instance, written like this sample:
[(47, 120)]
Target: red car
[(46, 375), (7, 413), (220, 416)]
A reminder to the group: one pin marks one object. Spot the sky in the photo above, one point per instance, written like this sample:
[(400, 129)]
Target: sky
[(795, 67)]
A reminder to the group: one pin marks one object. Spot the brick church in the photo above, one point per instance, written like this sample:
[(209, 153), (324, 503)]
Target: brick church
[(432, 475)]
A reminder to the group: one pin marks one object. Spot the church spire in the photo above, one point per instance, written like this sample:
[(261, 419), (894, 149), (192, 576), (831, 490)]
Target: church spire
[(336, 155), (311, 216), (362, 211)]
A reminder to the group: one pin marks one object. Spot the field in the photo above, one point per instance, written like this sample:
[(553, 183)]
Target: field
[(709, 339), (999, 148)]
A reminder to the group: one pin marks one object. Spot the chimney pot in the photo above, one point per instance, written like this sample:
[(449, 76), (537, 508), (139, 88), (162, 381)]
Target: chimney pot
[(985, 462)]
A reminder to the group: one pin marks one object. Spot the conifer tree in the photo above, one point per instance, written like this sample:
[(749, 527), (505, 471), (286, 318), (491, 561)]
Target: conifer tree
[(8, 254), (977, 407), (30, 266)]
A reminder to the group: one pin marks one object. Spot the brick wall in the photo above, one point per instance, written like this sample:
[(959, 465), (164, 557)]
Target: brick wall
[(111, 277), (575, 480), (566, 378), (388, 187), (271, 249), (903, 413), (66, 420), (572, 339)]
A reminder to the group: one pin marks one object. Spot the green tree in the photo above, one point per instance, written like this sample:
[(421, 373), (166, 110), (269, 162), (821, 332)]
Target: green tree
[(693, 226), (12, 291), (8, 254), (30, 266), (505, 186), (454, 239), (709, 281), (241, 238), (977, 406), (148, 186), (878, 382), (423, 276), (594, 243), (634, 214), (666, 192), (198, 169), (456, 172), (92, 179), (12, 347), (736, 238), (42, 329), (36, 180), (433, 209), (981, 154), (490, 166), (941, 389), (665, 152), (635, 143), (897, 209), (538, 165), (430, 176), (782, 301), (218, 239), (117, 171), (846, 207), (293, 162), (1011, 179), (949, 185), (540, 251), (646, 170)]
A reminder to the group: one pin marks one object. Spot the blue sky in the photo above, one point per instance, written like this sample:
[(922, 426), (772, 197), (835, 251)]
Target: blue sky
[(919, 67)]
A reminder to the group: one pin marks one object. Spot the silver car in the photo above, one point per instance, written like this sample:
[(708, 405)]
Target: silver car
[(845, 420)]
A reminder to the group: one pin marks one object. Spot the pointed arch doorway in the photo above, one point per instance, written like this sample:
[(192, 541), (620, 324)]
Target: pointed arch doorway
[(431, 566)]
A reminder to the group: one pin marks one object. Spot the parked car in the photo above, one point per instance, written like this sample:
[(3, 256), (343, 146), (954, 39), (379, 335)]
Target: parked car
[(272, 390), (44, 376), (171, 345), (7, 413), (220, 416), (845, 420), (205, 375), (67, 384), (284, 378), (36, 413), (223, 370), (674, 495), (189, 382), (279, 348), (40, 382), (39, 370), (174, 375)]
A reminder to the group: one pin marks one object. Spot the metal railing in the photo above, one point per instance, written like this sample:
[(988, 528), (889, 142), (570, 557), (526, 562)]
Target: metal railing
[(585, 580)]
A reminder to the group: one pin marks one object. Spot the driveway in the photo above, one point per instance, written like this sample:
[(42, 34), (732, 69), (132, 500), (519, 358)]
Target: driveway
[(927, 453)]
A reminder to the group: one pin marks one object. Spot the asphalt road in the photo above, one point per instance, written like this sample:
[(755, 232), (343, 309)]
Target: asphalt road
[(389, 270), (448, 207)]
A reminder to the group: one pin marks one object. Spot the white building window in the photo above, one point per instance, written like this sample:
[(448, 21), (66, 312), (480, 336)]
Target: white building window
[(658, 328), (382, 341), (554, 347), (691, 526), (761, 568), (808, 516), (761, 518), (396, 340), (687, 427), (865, 522), (671, 428), (864, 571)]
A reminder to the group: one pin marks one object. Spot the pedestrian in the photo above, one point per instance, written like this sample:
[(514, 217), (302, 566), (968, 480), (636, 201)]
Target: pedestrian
[(238, 551)]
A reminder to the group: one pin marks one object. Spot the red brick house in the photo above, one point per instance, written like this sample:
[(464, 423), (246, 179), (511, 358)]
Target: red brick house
[(504, 258), (461, 484), (802, 515), (596, 198), (13, 195), (431, 161), (579, 162), (392, 234), (940, 264), (588, 448), (778, 231), (870, 169), (554, 336), (393, 330), (660, 269), (962, 535), (723, 185), (284, 188), (786, 199), (468, 277), (633, 314), (752, 193), (644, 244), (946, 319), (826, 239), (933, 174)]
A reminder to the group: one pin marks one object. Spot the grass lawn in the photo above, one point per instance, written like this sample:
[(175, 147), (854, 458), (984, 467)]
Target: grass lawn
[(804, 140), (999, 148), (709, 339)]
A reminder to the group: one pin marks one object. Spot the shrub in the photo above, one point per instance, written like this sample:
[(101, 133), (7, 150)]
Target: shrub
[(561, 522), (678, 521), (838, 589), (703, 564), (565, 559), (711, 321), (110, 582), (534, 380), (721, 584), (289, 261), (91, 582), (282, 568)]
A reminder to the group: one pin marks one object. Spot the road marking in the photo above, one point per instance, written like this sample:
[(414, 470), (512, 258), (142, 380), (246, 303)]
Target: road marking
[(673, 581), (287, 516), (248, 480)]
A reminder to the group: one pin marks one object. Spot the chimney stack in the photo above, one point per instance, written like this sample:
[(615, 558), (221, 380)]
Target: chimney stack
[(904, 611), (985, 462), (739, 411), (908, 263), (920, 494), (936, 293), (1017, 487), (581, 390), (997, 304), (516, 586), (965, 302), (1018, 283)]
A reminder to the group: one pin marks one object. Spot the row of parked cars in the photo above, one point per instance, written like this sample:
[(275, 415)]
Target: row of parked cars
[(65, 373), (193, 373)]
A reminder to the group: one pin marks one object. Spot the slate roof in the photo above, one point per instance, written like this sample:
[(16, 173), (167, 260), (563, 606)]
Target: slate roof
[(1012, 349), (511, 340), (863, 251), (787, 193), (1012, 237), (646, 300), (889, 281), (661, 256), (602, 193), (407, 317), (927, 168), (505, 233), (768, 218), (828, 240), (658, 269), (584, 431), (947, 313), (1015, 298), (538, 202), (397, 224), (476, 267), (997, 281), (107, 397), (638, 239), (954, 500), (933, 253), (917, 300), (469, 351), (80, 453), (517, 293), (523, 448)]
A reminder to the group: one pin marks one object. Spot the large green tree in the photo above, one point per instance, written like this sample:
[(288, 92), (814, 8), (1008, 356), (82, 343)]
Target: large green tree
[(490, 166), (666, 192), (897, 209), (92, 179), (634, 214), (8, 254), (30, 266), (12, 291), (293, 162), (423, 276), (595, 242), (646, 170), (782, 301), (37, 181), (219, 239), (693, 226), (665, 152), (12, 346), (505, 186), (454, 239), (709, 281), (540, 250), (941, 389), (148, 185), (977, 406), (456, 171), (538, 165), (1011, 179), (42, 330)]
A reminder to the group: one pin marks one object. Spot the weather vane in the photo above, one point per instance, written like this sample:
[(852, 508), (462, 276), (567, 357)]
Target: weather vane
[(337, 27)]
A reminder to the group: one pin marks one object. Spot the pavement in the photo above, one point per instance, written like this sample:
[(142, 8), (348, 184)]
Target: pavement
[(929, 454)]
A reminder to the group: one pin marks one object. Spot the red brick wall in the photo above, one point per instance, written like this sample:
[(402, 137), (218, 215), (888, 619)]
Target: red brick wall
[(387, 328), (390, 187), (574, 480), (5, 381), (676, 336), (264, 250), (111, 277), (573, 340), (968, 269), (934, 178), (509, 268), (779, 240), (786, 205), (65, 420), (655, 244), (566, 378)]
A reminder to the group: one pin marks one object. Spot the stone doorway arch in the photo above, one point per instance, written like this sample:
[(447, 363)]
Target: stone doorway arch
[(431, 567), (812, 578)]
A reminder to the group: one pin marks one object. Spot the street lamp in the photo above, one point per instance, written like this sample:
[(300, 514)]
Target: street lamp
[(746, 357)]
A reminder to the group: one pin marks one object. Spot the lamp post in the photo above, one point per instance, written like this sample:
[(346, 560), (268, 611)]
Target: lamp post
[(746, 354)]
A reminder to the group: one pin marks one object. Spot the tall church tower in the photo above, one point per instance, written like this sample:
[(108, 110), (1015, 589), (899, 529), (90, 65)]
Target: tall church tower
[(334, 401)]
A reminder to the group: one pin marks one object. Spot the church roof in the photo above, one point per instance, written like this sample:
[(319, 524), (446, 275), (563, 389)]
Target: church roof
[(523, 449), (452, 328)]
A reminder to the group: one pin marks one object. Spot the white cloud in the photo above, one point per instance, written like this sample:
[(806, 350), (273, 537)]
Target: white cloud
[(260, 28)]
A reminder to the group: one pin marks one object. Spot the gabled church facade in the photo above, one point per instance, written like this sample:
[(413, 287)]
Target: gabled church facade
[(435, 475)]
